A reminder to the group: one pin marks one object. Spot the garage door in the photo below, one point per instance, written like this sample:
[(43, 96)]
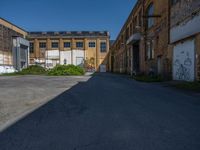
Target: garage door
[(184, 61)]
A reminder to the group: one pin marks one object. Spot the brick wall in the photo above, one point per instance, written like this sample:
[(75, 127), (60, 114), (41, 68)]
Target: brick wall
[(6, 35), (183, 9)]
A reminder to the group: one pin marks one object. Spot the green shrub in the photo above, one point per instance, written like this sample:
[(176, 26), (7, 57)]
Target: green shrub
[(33, 70), (64, 70)]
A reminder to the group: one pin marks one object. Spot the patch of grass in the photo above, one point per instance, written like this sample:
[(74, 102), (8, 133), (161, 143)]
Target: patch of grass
[(192, 86), (145, 78), (33, 70), (66, 70)]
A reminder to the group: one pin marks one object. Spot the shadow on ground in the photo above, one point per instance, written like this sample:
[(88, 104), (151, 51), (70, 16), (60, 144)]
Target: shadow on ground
[(110, 112), (47, 127)]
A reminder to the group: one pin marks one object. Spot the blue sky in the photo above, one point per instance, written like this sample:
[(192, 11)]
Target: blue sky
[(67, 15)]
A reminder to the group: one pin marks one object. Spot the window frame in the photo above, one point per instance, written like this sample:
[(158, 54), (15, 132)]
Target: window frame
[(150, 50), (31, 48), (92, 44), (103, 48), (68, 45), (150, 22), (53, 46), (78, 44), (42, 45)]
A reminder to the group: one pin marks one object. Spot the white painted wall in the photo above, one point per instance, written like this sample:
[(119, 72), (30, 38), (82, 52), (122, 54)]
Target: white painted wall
[(52, 58), (75, 57), (184, 61), (1, 58), (78, 57), (65, 55), (7, 69), (52, 54)]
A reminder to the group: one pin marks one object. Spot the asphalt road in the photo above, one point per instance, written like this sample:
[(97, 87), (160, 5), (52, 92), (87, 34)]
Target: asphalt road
[(110, 112), (20, 95)]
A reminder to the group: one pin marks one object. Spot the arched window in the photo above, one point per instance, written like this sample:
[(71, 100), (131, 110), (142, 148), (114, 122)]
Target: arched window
[(150, 13)]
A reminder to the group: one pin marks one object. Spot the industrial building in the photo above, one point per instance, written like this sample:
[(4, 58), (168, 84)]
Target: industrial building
[(19, 48), (160, 38), (142, 44), (78, 48), (14, 48)]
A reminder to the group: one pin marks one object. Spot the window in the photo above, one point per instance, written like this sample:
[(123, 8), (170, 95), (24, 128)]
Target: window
[(92, 44), (150, 50), (150, 13), (54, 44), (67, 44), (79, 44), (42, 45), (103, 47), (31, 47)]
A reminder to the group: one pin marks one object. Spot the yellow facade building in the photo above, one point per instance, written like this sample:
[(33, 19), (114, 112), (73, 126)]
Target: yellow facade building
[(88, 49)]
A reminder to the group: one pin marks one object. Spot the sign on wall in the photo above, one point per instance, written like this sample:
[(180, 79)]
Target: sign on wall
[(184, 61)]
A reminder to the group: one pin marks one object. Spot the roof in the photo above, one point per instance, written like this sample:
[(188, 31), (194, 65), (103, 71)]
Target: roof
[(12, 24), (127, 20), (68, 34)]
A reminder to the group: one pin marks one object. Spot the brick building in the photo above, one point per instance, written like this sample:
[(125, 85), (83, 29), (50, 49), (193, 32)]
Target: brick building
[(13, 47), (160, 38), (78, 48), (142, 45)]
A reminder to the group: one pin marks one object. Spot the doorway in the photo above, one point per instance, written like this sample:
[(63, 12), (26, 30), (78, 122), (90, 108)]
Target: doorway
[(159, 65), (136, 58)]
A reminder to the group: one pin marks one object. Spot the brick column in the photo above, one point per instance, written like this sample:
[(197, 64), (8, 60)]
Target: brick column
[(61, 44), (73, 47), (36, 49), (48, 44)]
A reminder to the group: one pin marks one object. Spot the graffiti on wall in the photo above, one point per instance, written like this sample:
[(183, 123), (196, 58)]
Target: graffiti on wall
[(183, 65), (183, 71)]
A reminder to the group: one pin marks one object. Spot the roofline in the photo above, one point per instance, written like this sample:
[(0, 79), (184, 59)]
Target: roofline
[(132, 11), (13, 24), (32, 35), (31, 32), (42, 37), (69, 31)]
